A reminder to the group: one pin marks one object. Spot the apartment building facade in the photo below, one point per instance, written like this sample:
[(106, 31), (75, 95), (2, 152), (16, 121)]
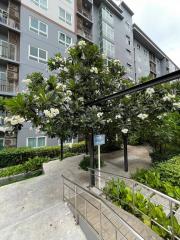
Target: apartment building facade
[(31, 31)]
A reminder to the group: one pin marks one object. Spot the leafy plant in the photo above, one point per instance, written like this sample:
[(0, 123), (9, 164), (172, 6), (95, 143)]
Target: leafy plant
[(85, 163), (141, 207)]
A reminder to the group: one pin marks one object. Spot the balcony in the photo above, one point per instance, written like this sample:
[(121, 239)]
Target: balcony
[(85, 33), (6, 20), (6, 87), (7, 50), (84, 13)]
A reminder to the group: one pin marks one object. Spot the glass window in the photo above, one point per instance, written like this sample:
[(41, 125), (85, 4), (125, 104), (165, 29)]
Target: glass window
[(36, 142), (41, 3), (62, 14), (41, 141), (108, 48), (31, 142), (107, 15), (108, 31), (65, 16), (68, 18), (128, 40), (65, 39), (38, 54), (38, 26)]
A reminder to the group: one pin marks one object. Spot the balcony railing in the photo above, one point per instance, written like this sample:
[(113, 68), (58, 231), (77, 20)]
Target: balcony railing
[(7, 50), (85, 33), (7, 87), (85, 13), (4, 18)]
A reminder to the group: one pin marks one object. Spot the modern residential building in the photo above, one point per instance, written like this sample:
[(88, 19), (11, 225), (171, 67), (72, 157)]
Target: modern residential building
[(31, 31)]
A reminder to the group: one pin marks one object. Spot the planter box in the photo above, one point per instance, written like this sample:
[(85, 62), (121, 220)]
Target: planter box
[(20, 177)]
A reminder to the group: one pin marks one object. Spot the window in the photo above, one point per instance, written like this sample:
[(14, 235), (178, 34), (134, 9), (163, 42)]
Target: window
[(129, 67), (128, 26), (128, 40), (108, 48), (38, 27), (65, 16), (108, 31), (3, 76), (138, 46), (145, 52), (38, 54), (128, 53), (1, 143), (107, 15), (36, 142), (64, 39), (41, 3)]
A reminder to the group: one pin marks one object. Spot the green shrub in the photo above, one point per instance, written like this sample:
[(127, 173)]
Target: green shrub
[(122, 195), (111, 146), (85, 163), (30, 165), (15, 156), (164, 177)]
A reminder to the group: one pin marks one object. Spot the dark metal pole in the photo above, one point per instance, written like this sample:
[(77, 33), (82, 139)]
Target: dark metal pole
[(91, 152), (125, 142)]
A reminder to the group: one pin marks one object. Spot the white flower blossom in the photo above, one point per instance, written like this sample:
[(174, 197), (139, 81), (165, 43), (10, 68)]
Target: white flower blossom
[(53, 63), (159, 117), (118, 116), (61, 86), (81, 99), (65, 69), (168, 97), (67, 99), (124, 130), (58, 59), (142, 116), (27, 81), (14, 120), (176, 104), (109, 120), (94, 70), (116, 61), (150, 91), (81, 43), (53, 112), (69, 92), (99, 114)]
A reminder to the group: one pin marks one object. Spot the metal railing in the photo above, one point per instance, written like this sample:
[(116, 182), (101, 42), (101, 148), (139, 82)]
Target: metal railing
[(4, 18), (7, 87), (85, 203), (170, 205), (84, 33), (85, 13), (7, 50)]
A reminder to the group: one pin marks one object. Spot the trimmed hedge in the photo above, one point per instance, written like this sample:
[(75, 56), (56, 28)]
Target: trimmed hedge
[(15, 156)]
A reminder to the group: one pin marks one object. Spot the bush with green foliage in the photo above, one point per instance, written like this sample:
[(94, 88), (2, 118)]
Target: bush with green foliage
[(14, 156), (122, 195), (164, 177), (85, 163), (31, 165)]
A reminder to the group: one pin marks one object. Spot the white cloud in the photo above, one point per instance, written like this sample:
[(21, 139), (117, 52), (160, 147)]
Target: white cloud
[(160, 20)]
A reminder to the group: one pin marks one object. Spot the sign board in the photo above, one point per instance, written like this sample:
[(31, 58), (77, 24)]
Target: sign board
[(99, 140)]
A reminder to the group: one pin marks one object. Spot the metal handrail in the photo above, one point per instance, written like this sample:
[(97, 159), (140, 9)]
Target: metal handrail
[(140, 184), (101, 202), (171, 201)]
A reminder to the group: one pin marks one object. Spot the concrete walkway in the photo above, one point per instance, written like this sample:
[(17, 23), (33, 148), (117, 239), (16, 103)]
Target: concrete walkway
[(33, 209)]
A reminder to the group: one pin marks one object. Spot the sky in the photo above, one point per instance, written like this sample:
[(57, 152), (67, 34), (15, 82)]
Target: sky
[(160, 20)]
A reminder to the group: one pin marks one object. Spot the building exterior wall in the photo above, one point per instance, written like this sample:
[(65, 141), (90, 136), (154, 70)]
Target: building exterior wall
[(132, 53)]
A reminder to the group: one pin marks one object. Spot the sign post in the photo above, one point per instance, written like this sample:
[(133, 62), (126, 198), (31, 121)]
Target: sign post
[(98, 141)]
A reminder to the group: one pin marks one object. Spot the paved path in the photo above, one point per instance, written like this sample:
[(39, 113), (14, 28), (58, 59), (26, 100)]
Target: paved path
[(33, 209)]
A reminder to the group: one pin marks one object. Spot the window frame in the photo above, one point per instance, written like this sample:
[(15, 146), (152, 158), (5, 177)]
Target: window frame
[(39, 4), (30, 57), (65, 16), (65, 42), (38, 31), (3, 141), (36, 138)]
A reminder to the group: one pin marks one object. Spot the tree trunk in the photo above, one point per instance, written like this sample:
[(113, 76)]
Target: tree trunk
[(125, 142), (86, 144), (62, 150)]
